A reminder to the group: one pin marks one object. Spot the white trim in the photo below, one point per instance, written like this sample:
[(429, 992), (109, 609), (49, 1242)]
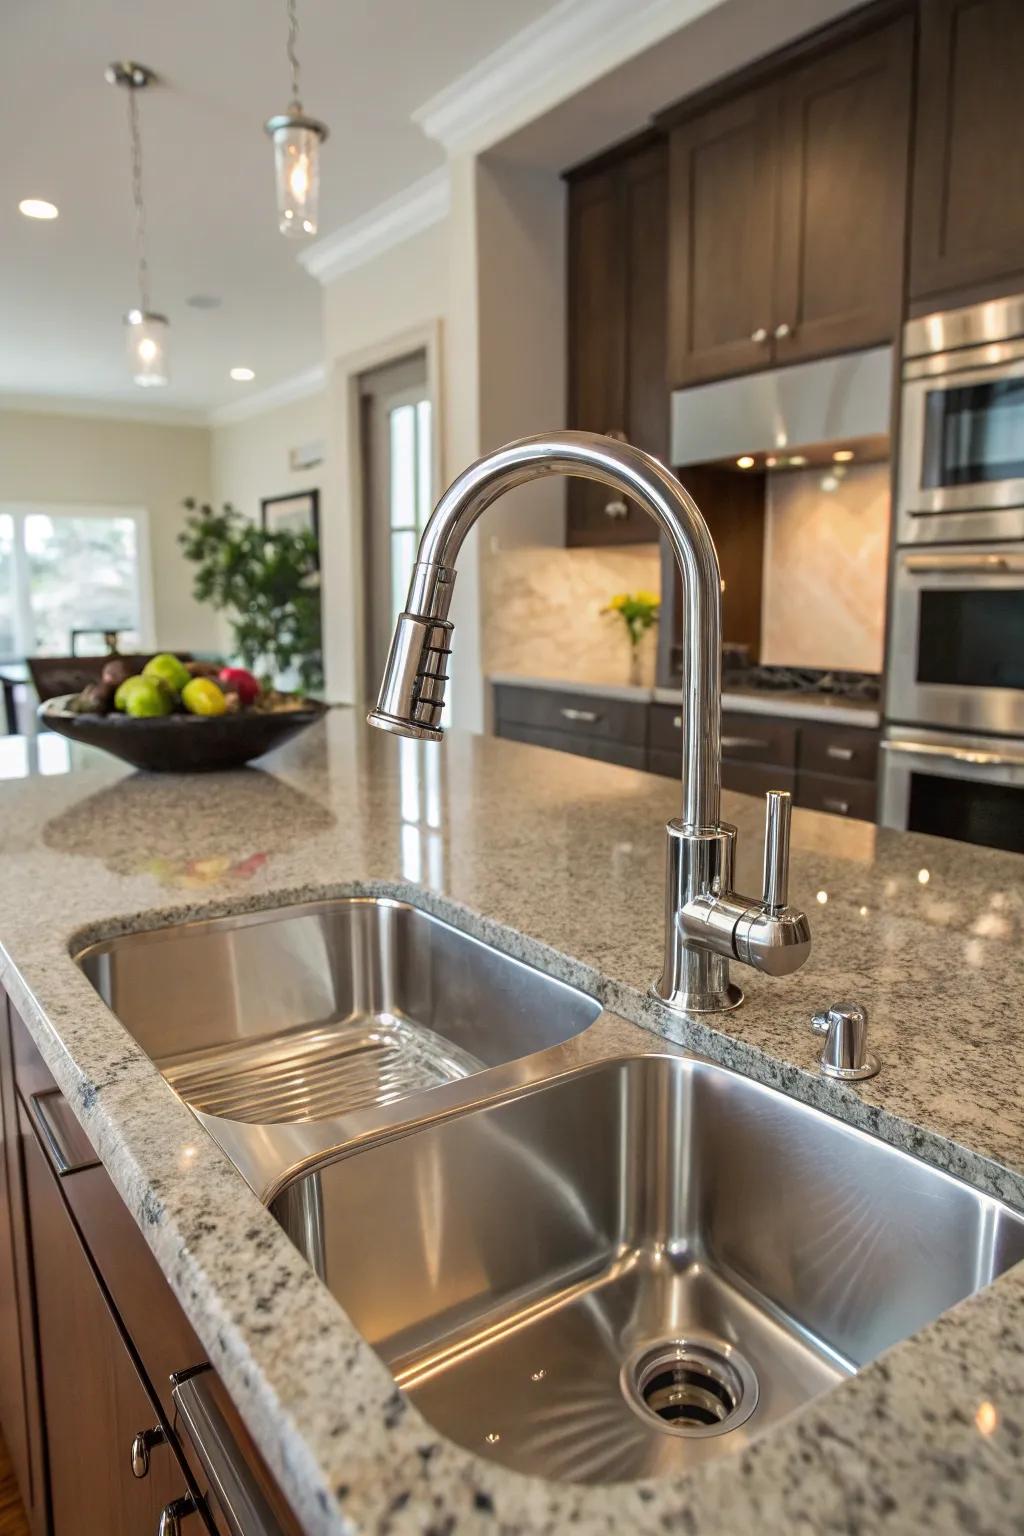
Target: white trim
[(573, 44), (75, 405), (309, 382), (415, 208)]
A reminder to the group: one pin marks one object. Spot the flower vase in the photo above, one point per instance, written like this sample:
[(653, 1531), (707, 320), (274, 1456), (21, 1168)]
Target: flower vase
[(635, 670)]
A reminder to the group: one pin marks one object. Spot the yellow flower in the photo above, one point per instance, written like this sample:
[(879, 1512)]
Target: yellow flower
[(651, 598)]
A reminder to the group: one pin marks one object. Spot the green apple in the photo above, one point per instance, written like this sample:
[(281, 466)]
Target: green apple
[(151, 697), (169, 670)]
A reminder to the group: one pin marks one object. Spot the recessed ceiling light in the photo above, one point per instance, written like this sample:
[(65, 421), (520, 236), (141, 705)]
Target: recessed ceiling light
[(843, 455), (204, 301), (745, 462), (797, 459), (771, 461), (242, 375), (37, 208)]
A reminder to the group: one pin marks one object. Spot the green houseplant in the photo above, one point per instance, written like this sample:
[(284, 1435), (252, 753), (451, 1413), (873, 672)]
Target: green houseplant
[(267, 583)]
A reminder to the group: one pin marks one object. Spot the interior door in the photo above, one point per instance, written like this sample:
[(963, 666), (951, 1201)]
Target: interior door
[(845, 138), (723, 202)]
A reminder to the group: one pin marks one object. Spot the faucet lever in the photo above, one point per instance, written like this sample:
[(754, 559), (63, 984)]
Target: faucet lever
[(778, 815)]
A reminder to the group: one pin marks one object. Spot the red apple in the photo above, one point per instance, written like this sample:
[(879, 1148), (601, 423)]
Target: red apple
[(241, 682)]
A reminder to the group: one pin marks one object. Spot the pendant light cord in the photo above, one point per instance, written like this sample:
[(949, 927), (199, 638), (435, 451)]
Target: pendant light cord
[(293, 58), (140, 208)]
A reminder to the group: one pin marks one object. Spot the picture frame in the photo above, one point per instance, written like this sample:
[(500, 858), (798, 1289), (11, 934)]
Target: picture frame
[(299, 510)]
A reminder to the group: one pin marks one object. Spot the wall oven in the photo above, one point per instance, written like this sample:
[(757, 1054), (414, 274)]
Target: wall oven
[(966, 787), (961, 464)]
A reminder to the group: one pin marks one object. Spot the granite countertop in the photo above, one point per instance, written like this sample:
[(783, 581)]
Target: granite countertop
[(792, 705), (557, 859)]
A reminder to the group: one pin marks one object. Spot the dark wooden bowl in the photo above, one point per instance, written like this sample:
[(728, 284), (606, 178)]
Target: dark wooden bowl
[(181, 743)]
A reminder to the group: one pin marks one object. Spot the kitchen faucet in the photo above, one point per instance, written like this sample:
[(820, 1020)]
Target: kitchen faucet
[(706, 923)]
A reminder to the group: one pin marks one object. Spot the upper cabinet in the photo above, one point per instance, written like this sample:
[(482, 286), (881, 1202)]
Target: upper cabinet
[(968, 207), (616, 289), (786, 220)]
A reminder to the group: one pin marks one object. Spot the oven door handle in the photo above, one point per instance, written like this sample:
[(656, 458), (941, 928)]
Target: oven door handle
[(976, 757), (964, 565)]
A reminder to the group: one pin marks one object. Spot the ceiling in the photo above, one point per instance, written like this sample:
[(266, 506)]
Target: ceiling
[(65, 285)]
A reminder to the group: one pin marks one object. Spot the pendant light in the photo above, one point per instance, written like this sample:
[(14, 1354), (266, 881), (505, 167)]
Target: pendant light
[(297, 139), (145, 330)]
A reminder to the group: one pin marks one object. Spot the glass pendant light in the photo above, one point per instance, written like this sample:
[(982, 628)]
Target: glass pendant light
[(146, 331), (297, 139)]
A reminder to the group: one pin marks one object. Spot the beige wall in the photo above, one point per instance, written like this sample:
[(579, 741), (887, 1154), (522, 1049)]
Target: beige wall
[(250, 457), (825, 570), (93, 460)]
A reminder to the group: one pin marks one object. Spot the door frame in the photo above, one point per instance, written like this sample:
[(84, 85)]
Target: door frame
[(345, 406)]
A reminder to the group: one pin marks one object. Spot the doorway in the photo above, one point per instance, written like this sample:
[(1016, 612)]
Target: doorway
[(397, 445)]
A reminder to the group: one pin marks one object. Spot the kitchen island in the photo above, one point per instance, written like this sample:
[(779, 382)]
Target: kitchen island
[(559, 861)]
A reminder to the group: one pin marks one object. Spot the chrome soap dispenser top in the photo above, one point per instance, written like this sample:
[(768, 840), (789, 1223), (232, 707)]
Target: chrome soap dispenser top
[(706, 923)]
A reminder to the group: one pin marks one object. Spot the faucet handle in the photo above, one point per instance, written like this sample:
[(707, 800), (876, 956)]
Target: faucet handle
[(778, 815)]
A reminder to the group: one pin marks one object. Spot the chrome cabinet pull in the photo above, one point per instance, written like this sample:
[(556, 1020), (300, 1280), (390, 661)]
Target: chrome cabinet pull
[(840, 754), (616, 509), (59, 1156), (173, 1514), (760, 335), (841, 807), (782, 331), (677, 721), (740, 743), (239, 1497), (587, 716), (145, 1441)]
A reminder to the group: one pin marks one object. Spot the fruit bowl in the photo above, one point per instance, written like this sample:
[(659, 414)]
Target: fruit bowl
[(182, 743)]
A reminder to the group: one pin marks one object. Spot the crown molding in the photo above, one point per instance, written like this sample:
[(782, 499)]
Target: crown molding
[(298, 387), (107, 410), (415, 208), (573, 44)]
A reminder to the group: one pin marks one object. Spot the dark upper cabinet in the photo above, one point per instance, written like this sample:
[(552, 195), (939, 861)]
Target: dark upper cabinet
[(787, 213), (617, 295), (968, 202)]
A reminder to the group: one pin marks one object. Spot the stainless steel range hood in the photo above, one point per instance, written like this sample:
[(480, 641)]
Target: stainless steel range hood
[(838, 399)]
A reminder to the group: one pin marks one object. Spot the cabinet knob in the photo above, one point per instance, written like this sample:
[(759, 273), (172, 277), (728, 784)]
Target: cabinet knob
[(142, 1444), (173, 1514), (782, 331), (760, 335), (616, 509)]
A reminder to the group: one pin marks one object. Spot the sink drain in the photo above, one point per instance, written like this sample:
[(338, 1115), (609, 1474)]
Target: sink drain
[(694, 1386)]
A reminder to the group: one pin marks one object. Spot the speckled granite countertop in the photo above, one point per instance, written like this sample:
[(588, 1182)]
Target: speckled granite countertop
[(559, 860)]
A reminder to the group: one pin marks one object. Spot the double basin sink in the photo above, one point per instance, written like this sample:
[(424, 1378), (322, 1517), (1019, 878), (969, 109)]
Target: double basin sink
[(581, 1254)]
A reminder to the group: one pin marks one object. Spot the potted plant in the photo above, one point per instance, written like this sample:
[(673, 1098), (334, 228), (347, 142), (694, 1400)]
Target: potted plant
[(638, 611)]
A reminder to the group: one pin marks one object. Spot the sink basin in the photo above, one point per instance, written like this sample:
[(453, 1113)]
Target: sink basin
[(307, 1013), (639, 1265)]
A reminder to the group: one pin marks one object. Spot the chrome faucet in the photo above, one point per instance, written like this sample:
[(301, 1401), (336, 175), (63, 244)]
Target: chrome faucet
[(706, 923)]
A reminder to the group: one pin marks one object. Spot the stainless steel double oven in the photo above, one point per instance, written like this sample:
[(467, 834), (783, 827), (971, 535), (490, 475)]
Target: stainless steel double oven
[(953, 752)]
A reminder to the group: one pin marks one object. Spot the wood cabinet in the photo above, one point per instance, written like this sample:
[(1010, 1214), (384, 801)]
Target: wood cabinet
[(617, 297), (968, 206), (786, 212)]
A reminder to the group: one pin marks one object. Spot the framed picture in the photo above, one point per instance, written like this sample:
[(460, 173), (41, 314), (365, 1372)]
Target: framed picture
[(297, 513)]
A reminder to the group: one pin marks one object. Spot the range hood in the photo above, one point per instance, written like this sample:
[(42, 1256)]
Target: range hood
[(835, 400)]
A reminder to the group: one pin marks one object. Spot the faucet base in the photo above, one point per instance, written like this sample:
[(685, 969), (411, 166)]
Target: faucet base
[(710, 1001)]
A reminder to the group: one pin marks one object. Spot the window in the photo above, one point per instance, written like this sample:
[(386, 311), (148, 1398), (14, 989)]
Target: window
[(411, 476), (72, 568)]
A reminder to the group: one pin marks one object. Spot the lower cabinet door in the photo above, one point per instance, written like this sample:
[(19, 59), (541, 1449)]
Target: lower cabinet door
[(94, 1401)]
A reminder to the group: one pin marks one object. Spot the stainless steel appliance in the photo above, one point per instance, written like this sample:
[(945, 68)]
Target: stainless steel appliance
[(967, 787), (961, 465)]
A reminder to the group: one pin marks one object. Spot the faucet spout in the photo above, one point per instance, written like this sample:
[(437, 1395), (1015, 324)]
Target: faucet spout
[(412, 692)]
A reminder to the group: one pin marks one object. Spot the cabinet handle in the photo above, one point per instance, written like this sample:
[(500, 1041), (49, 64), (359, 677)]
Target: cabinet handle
[(741, 743), (144, 1441), (782, 331), (173, 1514), (238, 1496), (841, 754), (677, 721), (587, 716), (59, 1156), (841, 807), (616, 509), (760, 336)]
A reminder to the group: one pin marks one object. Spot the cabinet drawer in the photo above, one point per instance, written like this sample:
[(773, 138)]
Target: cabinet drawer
[(668, 763), (850, 754), (758, 739), (666, 728), (68, 1147), (756, 778), (580, 746), (840, 797), (573, 714)]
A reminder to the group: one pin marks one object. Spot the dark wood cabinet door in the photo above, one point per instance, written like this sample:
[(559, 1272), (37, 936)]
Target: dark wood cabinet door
[(843, 190), (597, 334), (968, 203), (94, 1399), (723, 204)]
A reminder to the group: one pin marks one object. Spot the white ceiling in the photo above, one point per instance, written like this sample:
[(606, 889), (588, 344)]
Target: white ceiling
[(64, 285)]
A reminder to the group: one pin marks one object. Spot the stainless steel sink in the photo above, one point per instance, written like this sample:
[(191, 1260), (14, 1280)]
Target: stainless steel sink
[(639, 1265), (305, 1016)]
